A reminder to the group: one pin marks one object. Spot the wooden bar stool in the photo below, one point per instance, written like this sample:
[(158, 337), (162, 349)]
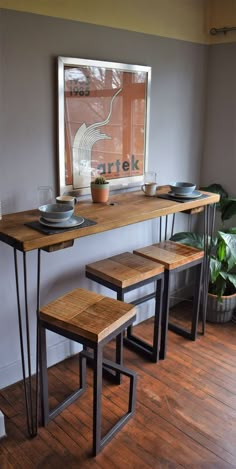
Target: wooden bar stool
[(92, 320), (124, 273), (176, 257)]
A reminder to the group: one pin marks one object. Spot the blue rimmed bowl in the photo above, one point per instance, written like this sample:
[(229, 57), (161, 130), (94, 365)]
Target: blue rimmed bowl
[(56, 213), (182, 188)]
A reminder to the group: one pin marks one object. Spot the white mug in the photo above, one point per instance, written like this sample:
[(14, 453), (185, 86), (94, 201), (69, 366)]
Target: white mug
[(66, 199), (149, 188)]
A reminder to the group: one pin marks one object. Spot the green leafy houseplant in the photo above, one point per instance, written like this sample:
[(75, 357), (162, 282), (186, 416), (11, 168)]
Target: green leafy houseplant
[(222, 274), (100, 189)]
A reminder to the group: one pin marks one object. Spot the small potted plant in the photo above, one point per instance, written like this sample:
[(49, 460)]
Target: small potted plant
[(222, 276), (100, 189)]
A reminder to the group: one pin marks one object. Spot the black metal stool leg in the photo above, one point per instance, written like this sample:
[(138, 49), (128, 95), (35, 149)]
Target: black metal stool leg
[(150, 351), (191, 334), (165, 315), (119, 348), (48, 414), (43, 377), (135, 343), (119, 355), (97, 396), (157, 320), (98, 441), (196, 301), (97, 362)]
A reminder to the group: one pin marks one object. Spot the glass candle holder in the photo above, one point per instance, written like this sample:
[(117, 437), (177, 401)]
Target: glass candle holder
[(45, 195), (149, 177)]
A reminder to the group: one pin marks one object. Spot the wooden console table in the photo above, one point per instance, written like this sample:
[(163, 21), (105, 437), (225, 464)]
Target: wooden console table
[(122, 210)]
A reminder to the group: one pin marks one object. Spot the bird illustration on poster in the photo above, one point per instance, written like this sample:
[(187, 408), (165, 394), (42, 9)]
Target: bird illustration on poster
[(84, 140)]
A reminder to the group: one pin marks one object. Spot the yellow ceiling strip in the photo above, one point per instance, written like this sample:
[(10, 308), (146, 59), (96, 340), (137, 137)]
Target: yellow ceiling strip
[(189, 20), (179, 19)]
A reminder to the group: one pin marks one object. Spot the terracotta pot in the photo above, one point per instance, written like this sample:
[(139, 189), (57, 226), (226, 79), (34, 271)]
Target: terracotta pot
[(220, 311), (100, 192)]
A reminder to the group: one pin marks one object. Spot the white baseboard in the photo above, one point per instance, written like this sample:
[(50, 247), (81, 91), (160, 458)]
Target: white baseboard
[(2, 425)]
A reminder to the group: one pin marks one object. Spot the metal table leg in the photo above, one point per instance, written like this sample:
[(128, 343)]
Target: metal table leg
[(31, 396), (209, 223)]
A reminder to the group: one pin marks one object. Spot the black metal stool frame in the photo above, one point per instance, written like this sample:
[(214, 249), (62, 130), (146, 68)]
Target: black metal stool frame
[(192, 335), (209, 223), (97, 363), (131, 340)]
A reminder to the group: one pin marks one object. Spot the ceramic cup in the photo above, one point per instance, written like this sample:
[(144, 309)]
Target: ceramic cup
[(149, 189), (66, 199)]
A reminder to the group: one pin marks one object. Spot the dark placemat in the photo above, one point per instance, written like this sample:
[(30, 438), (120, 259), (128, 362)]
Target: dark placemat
[(48, 230), (181, 199)]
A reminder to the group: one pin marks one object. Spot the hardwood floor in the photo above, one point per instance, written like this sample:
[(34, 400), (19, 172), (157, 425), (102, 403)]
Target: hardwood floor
[(185, 413)]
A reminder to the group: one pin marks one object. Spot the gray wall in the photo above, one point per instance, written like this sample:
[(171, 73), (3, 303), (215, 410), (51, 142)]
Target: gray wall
[(219, 162), (29, 46)]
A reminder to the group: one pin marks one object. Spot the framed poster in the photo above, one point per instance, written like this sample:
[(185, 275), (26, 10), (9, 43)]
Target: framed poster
[(103, 123)]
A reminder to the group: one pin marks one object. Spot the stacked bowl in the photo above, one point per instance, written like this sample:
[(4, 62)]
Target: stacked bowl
[(182, 188), (56, 213)]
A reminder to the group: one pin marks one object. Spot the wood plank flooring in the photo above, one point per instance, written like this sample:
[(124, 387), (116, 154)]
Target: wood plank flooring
[(185, 413)]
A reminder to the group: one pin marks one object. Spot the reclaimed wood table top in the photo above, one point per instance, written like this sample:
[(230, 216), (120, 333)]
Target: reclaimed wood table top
[(123, 209)]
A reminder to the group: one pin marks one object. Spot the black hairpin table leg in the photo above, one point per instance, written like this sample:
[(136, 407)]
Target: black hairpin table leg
[(31, 395), (209, 223)]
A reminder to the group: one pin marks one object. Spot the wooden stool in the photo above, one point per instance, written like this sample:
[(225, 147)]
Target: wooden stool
[(124, 273), (176, 257), (92, 320)]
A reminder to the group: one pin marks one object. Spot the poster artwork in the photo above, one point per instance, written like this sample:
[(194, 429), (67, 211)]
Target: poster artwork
[(103, 110), (104, 124)]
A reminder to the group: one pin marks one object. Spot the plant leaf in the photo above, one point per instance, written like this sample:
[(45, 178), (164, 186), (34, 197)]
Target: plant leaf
[(215, 269), (216, 189), (230, 241), (228, 209), (230, 277), (221, 250), (231, 230), (190, 239)]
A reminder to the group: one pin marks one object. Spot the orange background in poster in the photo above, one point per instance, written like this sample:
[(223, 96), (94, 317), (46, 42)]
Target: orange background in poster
[(126, 127)]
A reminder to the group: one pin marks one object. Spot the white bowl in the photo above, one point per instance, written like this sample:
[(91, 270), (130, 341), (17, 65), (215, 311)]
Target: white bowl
[(56, 213), (182, 188)]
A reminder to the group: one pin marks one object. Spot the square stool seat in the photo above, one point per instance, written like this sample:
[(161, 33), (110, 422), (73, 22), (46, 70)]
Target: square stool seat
[(126, 272), (92, 320), (176, 257), (170, 254), (87, 314)]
